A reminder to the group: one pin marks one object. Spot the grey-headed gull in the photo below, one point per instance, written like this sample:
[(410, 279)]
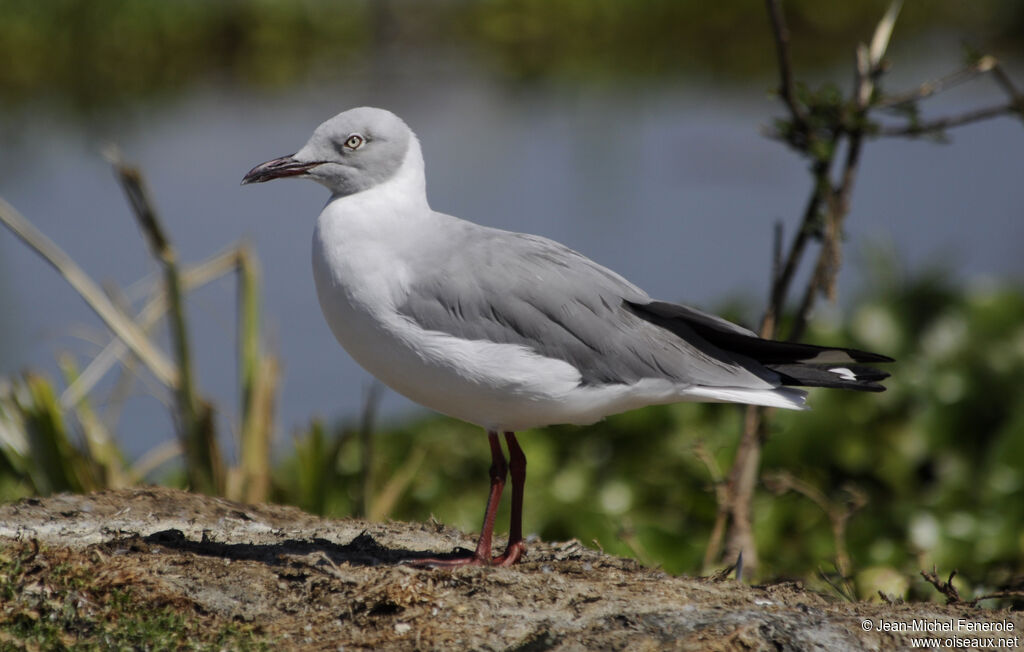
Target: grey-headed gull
[(512, 331)]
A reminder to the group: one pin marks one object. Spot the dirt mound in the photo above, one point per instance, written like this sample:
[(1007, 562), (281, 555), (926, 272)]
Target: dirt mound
[(297, 581)]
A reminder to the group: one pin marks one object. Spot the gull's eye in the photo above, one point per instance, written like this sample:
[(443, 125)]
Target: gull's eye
[(354, 142)]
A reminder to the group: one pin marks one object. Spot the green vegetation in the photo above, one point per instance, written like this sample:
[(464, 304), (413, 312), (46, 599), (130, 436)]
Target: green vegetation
[(54, 601), (84, 55), (861, 493), (34, 436)]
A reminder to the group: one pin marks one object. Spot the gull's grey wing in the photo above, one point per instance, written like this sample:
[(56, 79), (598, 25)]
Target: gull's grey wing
[(515, 288), (805, 365)]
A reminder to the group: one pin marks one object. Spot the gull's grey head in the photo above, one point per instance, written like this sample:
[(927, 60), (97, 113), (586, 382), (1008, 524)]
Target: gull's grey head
[(353, 151)]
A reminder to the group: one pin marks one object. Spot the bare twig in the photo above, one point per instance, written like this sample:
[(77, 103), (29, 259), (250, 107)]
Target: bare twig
[(838, 513), (734, 511), (953, 595), (985, 64), (838, 199), (777, 234), (822, 218), (941, 124), (945, 588), (1003, 79), (889, 599), (803, 236), (936, 86), (714, 546), (1011, 593), (740, 490), (786, 86), (830, 255), (743, 477)]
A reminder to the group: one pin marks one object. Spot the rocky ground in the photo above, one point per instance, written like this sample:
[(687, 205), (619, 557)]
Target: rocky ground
[(295, 581)]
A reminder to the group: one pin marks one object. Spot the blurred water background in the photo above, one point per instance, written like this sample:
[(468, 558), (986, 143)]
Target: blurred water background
[(629, 131)]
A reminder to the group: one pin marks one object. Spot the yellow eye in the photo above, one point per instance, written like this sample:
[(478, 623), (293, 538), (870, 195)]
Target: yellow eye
[(355, 141)]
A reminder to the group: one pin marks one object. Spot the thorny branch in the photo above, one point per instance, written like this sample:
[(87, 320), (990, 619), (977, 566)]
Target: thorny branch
[(846, 126)]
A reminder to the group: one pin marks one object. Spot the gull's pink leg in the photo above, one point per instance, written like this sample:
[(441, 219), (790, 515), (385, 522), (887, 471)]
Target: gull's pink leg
[(499, 470), (517, 465), (482, 555)]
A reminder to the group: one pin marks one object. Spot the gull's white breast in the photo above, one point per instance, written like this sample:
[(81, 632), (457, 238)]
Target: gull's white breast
[(366, 248)]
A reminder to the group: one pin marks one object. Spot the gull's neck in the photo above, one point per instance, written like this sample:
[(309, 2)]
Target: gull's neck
[(404, 192), (364, 243)]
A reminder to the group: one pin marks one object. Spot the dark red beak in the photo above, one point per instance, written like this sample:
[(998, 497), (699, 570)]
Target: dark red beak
[(286, 166)]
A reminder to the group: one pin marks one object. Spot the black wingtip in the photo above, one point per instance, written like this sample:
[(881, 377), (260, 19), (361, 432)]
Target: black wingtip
[(867, 356), (856, 377)]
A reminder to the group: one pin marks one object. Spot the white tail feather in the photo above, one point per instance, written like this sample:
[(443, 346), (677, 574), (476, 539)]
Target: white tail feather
[(780, 397)]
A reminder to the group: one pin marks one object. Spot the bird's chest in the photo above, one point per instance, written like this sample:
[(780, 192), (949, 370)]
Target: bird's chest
[(363, 273), (363, 276), (358, 281)]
